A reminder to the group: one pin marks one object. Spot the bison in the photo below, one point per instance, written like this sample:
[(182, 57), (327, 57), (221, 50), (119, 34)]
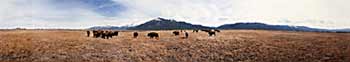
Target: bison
[(97, 34), (136, 34), (176, 33), (114, 33), (186, 35), (195, 31), (88, 33), (211, 33), (104, 34), (110, 34), (153, 35)]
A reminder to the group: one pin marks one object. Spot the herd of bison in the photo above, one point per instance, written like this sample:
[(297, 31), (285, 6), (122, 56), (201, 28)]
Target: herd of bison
[(105, 34)]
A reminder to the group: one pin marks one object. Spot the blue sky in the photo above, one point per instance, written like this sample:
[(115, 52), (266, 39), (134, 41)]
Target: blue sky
[(106, 8), (103, 7), (330, 14)]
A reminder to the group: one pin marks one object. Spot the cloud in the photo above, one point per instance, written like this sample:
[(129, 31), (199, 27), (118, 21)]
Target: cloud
[(87, 13), (218, 12), (55, 14)]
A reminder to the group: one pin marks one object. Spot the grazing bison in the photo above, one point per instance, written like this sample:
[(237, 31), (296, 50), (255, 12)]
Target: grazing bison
[(110, 34), (186, 35), (97, 34), (136, 34), (88, 33), (104, 34), (176, 33), (153, 35), (107, 34), (114, 33), (211, 33), (195, 31), (94, 34)]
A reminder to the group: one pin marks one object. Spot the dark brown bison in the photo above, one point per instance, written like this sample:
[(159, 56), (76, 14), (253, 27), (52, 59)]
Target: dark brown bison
[(176, 33), (88, 33), (136, 34), (211, 33), (97, 34), (195, 31), (114, 33), (186, 35), (153, 35), (104, 34), (110, 34)]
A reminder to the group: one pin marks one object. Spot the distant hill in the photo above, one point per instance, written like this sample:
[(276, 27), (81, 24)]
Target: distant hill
[(341, 30), (109, 28), (262, 26), (167, 24)]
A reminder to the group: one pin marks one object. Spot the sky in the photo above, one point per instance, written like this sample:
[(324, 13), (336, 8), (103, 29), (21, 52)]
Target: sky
[(80, 14)]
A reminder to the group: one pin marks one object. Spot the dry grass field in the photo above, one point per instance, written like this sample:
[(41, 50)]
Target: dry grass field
[(227, 46)]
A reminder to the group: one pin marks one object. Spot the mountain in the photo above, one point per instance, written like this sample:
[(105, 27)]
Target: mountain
[(341, 30), (110, 28), (262, 26), (167, 24)]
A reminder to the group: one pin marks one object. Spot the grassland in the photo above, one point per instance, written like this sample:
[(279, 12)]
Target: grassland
[(227, 46)]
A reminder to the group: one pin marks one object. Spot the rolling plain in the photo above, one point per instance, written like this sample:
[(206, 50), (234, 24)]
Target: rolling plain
[(227, 46)]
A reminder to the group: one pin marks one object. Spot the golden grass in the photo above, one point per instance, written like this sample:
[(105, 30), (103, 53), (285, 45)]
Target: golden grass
[(228, 46)]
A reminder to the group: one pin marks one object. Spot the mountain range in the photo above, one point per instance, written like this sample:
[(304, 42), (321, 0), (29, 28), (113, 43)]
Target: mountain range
[(169, 24)]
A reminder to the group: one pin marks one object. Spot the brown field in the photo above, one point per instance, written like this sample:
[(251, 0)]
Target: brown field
[(228, 46)]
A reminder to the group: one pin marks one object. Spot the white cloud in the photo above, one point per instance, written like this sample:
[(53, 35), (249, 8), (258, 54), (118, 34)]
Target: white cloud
[(332, 14), (315, 13)]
